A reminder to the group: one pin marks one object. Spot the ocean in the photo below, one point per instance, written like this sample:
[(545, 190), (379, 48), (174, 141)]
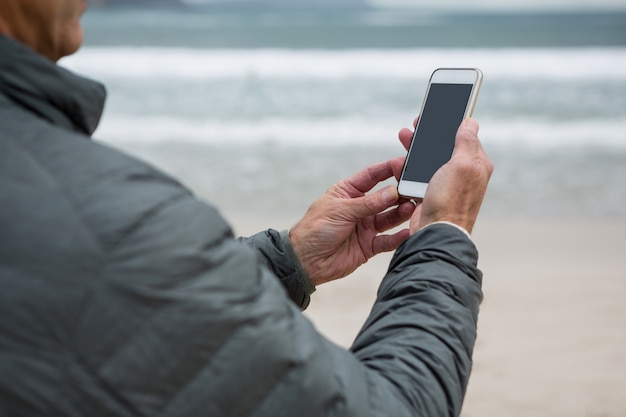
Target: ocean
[(260, 113)]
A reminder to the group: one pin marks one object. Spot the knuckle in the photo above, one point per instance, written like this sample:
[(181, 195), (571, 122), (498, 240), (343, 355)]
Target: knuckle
[(468, 135), (488, 165), (477, 167), (371, 202)]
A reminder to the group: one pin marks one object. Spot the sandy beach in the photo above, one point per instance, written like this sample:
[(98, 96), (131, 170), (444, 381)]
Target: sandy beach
[(552, 327)]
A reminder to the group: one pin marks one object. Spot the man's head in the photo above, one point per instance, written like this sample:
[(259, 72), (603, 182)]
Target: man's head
[(51, 27)]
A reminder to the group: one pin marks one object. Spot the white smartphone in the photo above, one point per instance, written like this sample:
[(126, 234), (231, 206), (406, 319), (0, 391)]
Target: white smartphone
[(450, 98)]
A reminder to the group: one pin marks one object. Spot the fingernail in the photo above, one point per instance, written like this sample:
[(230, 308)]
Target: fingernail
[(390, 194)]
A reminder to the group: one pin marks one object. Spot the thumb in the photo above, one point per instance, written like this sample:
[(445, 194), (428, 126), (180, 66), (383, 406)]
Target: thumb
[(467, 136), (376, 202)]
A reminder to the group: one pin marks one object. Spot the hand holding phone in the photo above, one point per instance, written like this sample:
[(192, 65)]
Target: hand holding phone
[(456, 191), (450, 98)]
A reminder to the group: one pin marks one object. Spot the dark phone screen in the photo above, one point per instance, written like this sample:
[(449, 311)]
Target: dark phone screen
[(433, 141)]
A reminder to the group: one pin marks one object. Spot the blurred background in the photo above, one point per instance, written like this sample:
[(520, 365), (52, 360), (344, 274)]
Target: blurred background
[(281, 98)]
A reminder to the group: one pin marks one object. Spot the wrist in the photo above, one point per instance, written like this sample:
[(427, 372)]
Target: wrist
[(460, 228), (459, 220), (291, 252)]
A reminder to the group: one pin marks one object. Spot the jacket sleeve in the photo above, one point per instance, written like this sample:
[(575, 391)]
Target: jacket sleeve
[(277, 254), (186, 321), (420, 335)]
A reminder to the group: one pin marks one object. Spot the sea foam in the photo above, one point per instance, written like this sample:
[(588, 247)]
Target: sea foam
[(556, 64)]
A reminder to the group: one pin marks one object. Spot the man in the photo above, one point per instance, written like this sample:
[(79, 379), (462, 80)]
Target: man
[(123, 295)]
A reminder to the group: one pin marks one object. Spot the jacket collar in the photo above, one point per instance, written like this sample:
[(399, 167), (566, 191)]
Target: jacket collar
[(44, 88)]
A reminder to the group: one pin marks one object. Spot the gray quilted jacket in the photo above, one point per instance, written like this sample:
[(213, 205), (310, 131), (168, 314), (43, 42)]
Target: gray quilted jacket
[(123, 295)]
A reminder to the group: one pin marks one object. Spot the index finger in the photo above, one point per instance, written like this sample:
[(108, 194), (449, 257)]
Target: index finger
[(406, 135), (364, 180)]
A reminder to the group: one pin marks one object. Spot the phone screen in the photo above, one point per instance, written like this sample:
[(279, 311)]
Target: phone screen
[(433, 141)]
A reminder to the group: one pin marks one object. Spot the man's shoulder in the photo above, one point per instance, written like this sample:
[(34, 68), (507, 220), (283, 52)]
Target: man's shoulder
[(106, 190)]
